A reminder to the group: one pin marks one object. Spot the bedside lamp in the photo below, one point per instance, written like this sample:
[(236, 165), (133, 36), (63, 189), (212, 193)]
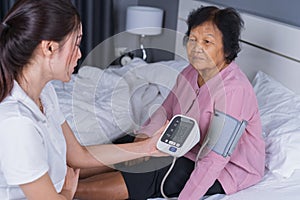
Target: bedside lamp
[(144, 21)]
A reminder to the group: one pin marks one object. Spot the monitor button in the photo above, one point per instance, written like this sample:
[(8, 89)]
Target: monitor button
[(173, 149)]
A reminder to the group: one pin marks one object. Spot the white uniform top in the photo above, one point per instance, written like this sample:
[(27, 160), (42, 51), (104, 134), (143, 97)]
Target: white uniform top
[(31, 143)]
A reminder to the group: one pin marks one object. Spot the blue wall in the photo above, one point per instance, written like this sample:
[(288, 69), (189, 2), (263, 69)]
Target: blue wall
[(286, 11)]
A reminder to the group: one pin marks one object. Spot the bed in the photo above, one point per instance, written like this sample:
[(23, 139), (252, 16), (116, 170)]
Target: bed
[(103, 104)]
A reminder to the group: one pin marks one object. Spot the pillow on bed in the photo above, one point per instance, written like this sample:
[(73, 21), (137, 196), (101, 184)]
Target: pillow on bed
[(280, 114)]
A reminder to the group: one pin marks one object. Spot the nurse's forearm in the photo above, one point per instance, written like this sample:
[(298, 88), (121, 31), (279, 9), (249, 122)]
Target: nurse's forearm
[(109, 154)]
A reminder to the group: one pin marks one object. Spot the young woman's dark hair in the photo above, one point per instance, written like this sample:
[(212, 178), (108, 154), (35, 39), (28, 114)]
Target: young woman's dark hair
[(24, 27), (228, 22)]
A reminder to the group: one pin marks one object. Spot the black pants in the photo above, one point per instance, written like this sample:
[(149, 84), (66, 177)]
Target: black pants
[(143, 183)]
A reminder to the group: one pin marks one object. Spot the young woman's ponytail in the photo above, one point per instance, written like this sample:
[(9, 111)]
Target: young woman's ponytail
[(6, 76)]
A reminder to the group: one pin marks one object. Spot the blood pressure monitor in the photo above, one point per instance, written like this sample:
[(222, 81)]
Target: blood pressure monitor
[(180, 136)]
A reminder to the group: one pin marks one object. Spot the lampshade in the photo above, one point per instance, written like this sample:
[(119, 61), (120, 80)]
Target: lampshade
[(143, 20)]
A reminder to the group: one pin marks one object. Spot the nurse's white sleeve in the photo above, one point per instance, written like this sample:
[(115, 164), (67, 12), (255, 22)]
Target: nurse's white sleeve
[(23, 155)]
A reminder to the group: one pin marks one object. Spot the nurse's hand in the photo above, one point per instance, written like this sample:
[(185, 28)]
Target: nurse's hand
[(152, 141), (150, 146), (71, 181)]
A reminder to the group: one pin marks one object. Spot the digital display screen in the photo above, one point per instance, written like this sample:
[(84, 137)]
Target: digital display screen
[(178, 131)]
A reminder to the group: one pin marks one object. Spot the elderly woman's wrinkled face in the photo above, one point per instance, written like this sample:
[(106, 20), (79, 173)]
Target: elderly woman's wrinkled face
[(205, 48)]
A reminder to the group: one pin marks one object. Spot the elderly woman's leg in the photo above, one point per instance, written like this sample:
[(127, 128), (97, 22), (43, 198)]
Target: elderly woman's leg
[(109, 185)]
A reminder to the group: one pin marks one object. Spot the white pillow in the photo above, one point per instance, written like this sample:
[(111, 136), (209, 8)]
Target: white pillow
[(280, 114)]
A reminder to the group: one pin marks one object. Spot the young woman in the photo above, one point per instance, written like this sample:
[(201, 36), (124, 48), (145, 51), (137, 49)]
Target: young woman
[(40, 157), (212, 82)]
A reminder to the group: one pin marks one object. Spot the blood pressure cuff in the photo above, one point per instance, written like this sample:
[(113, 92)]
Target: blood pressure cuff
[(224, 133)]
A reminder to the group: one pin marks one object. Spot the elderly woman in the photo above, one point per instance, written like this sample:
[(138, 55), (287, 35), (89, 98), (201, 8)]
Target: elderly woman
[(211, 82)]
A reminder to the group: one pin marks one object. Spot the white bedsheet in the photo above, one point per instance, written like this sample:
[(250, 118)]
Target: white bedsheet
[(101, 105), (271, 187)]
